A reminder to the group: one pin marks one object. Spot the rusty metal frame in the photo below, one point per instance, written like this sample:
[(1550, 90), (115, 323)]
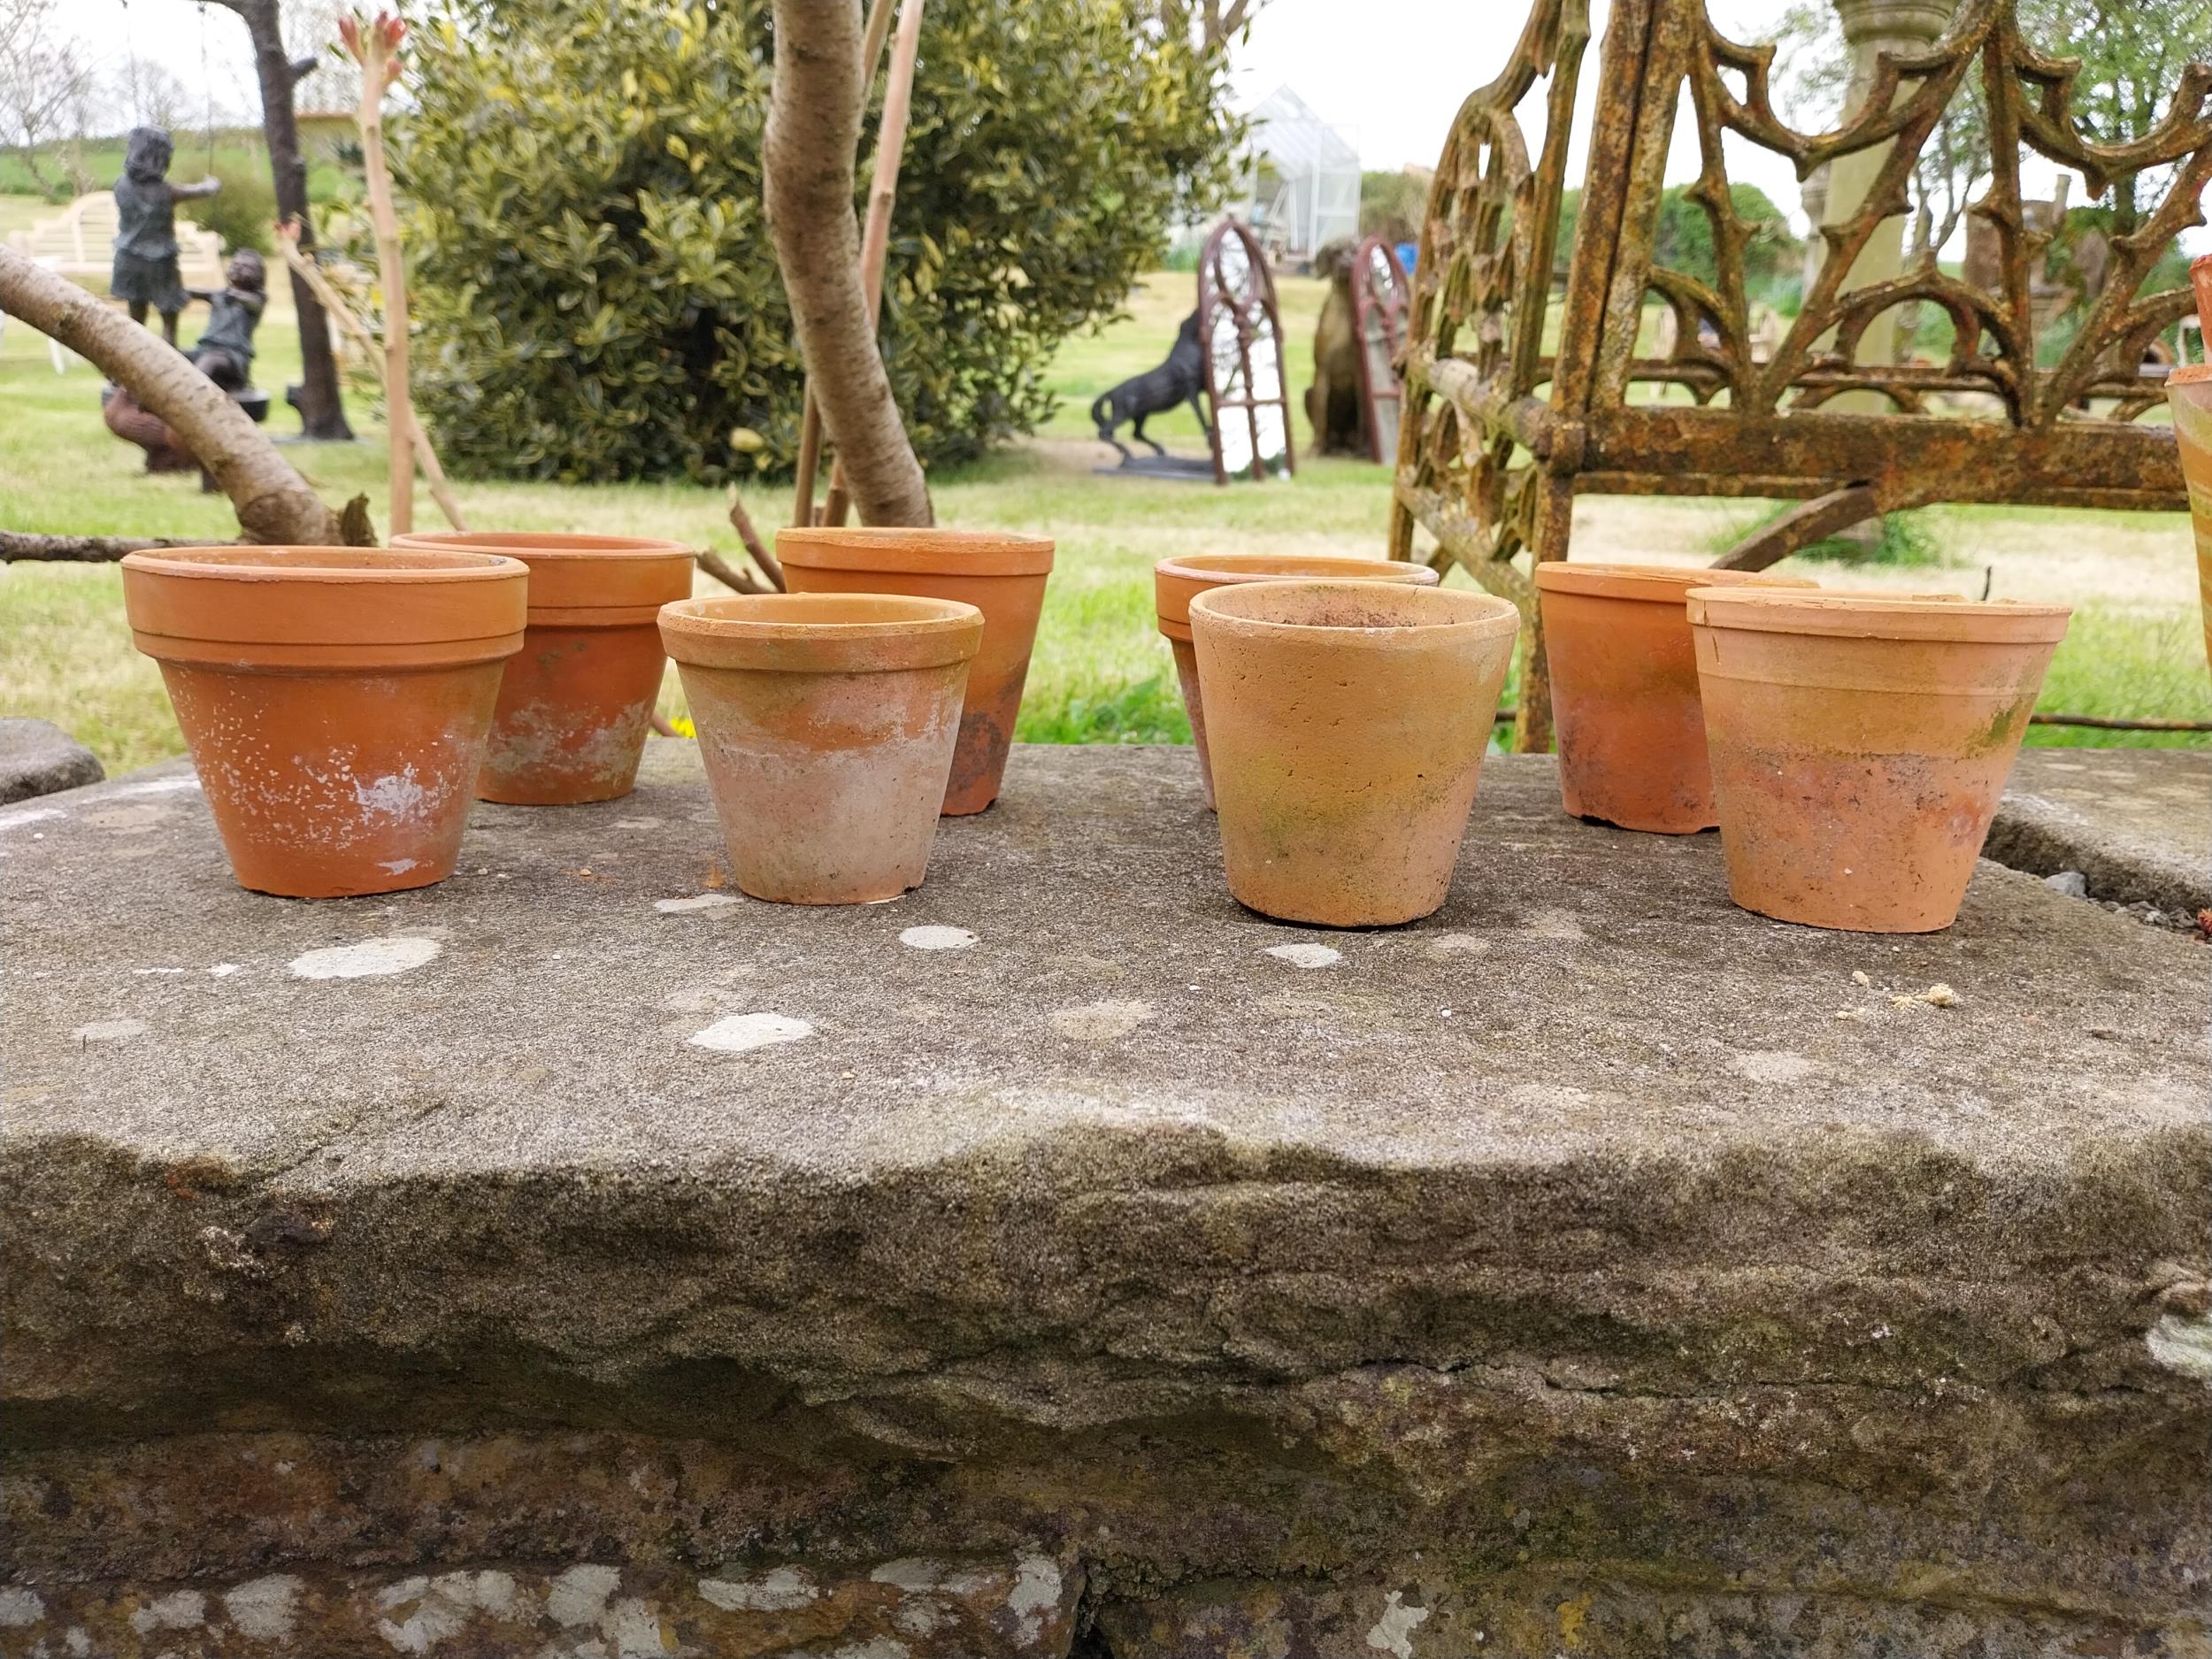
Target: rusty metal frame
[(1236, 309), (1381, 296), (1498, 436)]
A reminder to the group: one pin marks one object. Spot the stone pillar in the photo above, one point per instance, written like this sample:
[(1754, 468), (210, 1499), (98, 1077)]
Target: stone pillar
[(1813, 196), (1870, 27)]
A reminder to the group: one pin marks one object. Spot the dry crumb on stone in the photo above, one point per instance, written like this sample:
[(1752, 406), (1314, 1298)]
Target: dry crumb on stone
[(1937, 996)]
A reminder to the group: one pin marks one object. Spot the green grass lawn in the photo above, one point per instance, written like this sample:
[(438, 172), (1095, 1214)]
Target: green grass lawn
[(1101, 673)]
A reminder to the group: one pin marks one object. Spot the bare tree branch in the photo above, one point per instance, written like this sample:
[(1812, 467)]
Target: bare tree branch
[(808, 160), (87, 549), (273, 501), (741, 522), (728, 574)]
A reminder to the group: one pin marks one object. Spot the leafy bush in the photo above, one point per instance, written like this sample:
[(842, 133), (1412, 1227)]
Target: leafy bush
[(1684, 237), (596, 291), (1391, 206), (242, 212)]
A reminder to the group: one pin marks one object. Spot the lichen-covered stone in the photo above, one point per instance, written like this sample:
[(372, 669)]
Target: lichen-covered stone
[(1594, 1268), (37, 757)]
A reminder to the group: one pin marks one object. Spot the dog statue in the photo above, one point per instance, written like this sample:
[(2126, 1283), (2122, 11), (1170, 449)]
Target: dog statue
[(1178, 379), (1335, 405)]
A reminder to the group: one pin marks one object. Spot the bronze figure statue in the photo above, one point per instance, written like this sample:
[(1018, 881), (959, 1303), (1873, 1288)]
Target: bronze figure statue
[(145, 272), (225, 350)]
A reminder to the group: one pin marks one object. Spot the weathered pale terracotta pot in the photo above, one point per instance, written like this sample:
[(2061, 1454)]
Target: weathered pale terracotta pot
[(1860, 742), (1177, 581), (576, 702), (1624, 691), (828, 724), (1347, 722), (336, 701), (2189, 395), (1002, 576)]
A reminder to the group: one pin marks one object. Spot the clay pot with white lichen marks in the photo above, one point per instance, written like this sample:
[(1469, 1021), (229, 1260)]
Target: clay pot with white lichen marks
[(1348, 722), (1002, 576), (828, 724), (576, 702), (337, 700), (1177, 581), (1860, 742)]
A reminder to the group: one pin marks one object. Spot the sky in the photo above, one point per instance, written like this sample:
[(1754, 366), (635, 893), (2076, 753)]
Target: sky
[(1352, 63)]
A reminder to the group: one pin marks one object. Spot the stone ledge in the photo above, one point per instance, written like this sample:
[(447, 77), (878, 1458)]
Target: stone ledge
[(2137, 823), (1573, 1238)]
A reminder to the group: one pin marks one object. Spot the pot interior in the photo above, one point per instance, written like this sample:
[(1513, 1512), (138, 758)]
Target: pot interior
[(1259, 567), (846, 613), (1362, 605), (342, 563)]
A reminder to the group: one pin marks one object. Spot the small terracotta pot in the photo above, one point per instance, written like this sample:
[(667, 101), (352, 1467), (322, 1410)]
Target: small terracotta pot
[(829, 723), (1624, 691), (1349, 721), (1002, 576), (2189, 395), (576, 704), (336, 701), (1176, 582), (1859, 744)]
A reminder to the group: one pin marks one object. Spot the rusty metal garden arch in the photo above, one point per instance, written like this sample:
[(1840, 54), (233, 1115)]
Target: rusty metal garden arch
[(1248, 375), (1499, 436)]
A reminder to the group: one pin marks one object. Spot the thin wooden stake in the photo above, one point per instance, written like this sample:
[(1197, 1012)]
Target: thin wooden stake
[(343, 314), (883, 191), (373, 45)]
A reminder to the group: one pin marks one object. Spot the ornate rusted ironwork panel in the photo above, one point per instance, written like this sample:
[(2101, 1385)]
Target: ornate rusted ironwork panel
[(1380, 296), (1242, 334), (1502, 427)]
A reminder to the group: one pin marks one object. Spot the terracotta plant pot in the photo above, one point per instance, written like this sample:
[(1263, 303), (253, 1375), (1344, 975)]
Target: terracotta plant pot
[(1860, 742), (576, 704), (1348, 722), (828, 724), (2189, 395), (1624, 691), (1176, 582), (336, 701), (1002, 576)]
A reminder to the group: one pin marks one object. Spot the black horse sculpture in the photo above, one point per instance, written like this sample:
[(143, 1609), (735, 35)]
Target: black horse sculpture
[(1178, 379)]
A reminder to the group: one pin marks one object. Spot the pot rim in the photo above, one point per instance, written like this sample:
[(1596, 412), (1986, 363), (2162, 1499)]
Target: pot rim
[(1845, 613), (257, 564), (1458, 612), (1251, 567), (550, 544), (931, 548), (2191, 373), (715, 632), (1656, 584)]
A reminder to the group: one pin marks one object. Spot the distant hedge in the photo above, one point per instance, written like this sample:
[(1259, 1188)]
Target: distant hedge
[(594, 288)]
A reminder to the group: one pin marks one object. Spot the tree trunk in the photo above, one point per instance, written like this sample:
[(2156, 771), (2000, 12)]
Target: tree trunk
[(273, 502), (813, 138), (322, 411)]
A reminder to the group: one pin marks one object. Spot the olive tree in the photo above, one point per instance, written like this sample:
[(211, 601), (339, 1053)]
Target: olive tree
[(595, 290)]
